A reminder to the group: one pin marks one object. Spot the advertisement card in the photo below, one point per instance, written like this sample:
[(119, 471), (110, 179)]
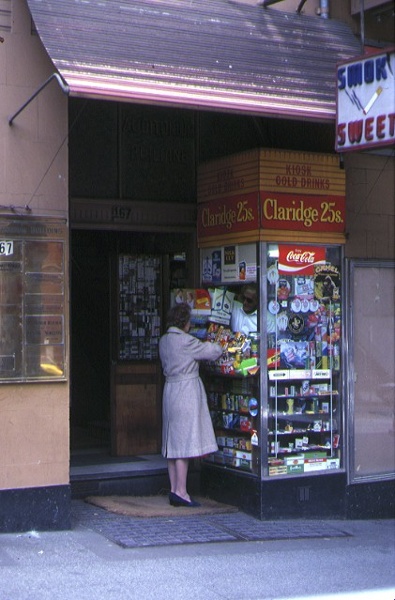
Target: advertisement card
[(229, 264), (222, 305), (198, 299)]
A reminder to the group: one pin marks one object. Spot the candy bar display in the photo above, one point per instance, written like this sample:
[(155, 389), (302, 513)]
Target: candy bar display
[(303, 359), (234, 411), (232, 384), (240, 356)]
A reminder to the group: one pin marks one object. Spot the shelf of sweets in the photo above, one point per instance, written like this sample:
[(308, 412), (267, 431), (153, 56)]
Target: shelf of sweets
[(302, 463), (231, 463), (300, 417), (317, 450), (315, 375), (248, 368), (237, 442), (302, 397), (234, 425), (298, 431), (234, 451), (228, 402), (229, 410), (240, 356)]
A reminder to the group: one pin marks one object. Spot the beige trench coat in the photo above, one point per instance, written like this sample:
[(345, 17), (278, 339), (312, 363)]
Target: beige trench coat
[(187, 428)]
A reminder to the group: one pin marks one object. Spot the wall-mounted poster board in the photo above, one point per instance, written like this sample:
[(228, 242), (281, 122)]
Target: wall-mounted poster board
[(32, 299), (139, 298)]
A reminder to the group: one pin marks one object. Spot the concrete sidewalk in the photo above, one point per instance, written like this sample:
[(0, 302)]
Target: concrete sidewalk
[(299, 559)]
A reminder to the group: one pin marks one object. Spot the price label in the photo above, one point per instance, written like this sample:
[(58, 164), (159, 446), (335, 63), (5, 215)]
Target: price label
[(6, 248)]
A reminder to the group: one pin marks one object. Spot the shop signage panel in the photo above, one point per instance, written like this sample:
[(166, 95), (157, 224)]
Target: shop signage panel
[(295, 191), (301, 173), (366, 102), (303, 213), (229, 176), (228, 215)]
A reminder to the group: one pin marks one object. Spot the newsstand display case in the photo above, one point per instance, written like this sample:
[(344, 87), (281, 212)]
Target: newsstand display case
[(303, 325), (275, 394), (233, 399), (276, 218)]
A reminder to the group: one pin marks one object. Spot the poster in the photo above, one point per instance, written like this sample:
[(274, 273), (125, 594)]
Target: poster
[(229, 264)]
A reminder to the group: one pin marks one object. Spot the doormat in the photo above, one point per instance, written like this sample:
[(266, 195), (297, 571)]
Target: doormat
[(188, 527), (156, 506)]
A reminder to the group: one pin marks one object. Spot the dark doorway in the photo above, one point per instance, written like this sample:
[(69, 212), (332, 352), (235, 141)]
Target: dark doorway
[(94, 320)]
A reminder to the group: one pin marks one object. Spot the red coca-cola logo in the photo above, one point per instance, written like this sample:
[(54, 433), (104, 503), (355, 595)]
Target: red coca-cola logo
[(300, 260), (301, 257)]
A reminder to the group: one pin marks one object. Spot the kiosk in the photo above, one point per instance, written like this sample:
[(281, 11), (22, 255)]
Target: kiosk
[(276, 219)]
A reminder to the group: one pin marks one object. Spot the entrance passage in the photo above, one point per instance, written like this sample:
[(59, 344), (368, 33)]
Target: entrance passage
[(116, 404)]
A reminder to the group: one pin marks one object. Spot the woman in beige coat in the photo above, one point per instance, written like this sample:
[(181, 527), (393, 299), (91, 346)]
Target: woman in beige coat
[(187, 428)]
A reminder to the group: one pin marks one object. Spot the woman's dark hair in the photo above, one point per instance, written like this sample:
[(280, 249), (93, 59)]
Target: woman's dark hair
[(178, 316)]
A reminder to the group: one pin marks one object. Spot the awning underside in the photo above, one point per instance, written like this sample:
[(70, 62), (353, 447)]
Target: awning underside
[(215, 55)]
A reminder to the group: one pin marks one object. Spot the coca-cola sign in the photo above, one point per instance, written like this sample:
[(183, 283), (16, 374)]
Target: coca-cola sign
[(300, 260)]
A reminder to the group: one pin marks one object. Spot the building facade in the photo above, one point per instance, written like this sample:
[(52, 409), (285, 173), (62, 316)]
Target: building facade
[(100, 150)]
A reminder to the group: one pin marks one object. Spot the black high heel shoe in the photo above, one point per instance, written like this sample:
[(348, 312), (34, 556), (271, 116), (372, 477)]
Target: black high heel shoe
[(178, 501)]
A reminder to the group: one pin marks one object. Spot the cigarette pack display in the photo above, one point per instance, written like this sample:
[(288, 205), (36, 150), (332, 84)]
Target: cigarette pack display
[(278, 470), (219, 457), (235, 394), (295, 469), (294, 460), (232, 461), (245, 455), (333, 463), (228, 451), (317, 464), (300, 419), (244, 464)]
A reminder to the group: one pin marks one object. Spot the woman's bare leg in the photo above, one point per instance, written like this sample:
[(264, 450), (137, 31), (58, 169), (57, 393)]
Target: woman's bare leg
[(171, 468), (178, 473)]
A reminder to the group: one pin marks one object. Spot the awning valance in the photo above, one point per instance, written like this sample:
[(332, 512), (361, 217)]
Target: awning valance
[(217, 55)]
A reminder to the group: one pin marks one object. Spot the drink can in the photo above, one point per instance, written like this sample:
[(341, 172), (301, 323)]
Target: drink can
[(336, 357), (254, 337)]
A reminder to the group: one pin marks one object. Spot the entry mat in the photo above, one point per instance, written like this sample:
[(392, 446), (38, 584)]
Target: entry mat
[(133, 532)]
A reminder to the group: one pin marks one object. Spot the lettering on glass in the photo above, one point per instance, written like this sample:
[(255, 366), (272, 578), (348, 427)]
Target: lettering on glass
[(365, 102), (32, 300)]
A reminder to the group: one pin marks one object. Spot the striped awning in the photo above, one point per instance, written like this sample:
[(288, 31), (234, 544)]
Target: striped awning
[(217, 55)]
